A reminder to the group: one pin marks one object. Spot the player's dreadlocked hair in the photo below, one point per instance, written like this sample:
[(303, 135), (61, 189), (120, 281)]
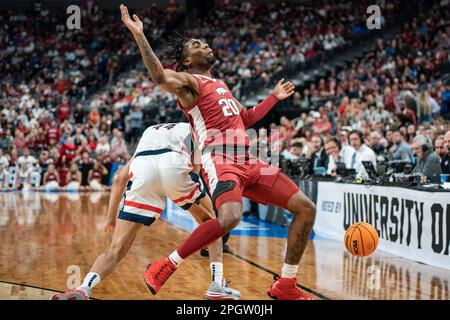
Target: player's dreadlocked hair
[(173, 55)]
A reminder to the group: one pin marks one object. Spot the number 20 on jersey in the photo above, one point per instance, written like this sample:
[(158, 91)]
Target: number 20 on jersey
[(229, 107)]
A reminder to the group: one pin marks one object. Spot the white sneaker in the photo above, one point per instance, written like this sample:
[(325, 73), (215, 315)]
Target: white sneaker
[(77, 294), (216, 292)]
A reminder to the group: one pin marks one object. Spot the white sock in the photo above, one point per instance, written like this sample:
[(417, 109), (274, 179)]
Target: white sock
[(217, 272), (89, 282), (175, 258), (289, 270)]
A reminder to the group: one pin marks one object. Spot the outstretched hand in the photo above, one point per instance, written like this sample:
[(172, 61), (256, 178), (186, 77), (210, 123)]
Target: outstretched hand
[(135, 26), (283, 90)]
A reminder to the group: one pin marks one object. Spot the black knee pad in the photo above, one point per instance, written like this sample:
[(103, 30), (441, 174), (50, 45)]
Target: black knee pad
[(222, 187), (225, 238)]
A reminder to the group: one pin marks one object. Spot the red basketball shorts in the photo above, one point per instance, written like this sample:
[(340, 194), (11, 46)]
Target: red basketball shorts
[(229, 180)]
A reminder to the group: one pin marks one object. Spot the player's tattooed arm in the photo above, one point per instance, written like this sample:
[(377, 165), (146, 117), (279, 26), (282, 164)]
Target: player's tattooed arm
[(136, 27), (151, 61), (181, 84)]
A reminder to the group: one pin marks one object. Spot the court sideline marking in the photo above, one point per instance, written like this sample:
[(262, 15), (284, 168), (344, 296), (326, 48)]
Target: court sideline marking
[(37, 287), (276, 274), (177, 226)]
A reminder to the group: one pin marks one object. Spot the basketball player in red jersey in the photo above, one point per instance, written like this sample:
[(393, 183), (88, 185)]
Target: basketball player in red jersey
[(218, 121)]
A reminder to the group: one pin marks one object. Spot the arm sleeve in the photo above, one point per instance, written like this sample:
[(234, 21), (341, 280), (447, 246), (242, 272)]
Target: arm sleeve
[(253, 115)]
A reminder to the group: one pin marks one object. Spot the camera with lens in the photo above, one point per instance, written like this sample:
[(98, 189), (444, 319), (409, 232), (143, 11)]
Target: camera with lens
[(297, 168)]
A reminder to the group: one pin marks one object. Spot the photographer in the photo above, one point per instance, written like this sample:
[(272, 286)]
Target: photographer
[(428, 164)]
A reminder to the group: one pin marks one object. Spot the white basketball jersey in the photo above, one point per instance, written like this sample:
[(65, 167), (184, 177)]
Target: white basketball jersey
[(175, 136)]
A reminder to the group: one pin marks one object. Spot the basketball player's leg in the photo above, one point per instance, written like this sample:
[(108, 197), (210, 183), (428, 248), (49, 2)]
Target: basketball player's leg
[(218, 289), (227, 199), (229, 196), (304, 212), (124, 234), (185, 189), (142, 205), (284, 193), (203, 212)]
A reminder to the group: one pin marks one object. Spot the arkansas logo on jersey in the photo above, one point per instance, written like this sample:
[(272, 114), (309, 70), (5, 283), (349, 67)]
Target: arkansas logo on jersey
[(221, 91)]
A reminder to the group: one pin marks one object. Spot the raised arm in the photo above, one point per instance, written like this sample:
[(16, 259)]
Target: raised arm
[(282, 90), (181, 84)]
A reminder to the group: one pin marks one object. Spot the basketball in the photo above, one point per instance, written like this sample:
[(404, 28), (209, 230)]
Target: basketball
[(361, 239)]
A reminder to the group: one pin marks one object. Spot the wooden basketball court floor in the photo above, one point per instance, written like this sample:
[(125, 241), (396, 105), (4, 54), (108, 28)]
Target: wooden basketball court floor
[(46, 240)]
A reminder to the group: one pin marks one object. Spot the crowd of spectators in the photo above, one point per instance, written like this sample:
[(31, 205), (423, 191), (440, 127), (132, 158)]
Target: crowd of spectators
[(383, 107), (48, 119), (254, 41)]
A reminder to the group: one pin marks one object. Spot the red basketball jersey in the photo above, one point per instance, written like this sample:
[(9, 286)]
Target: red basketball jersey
[(215, 116), (50, 177)]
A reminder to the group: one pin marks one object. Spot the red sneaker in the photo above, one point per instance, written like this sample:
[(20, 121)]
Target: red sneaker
[(286, 289), (72, 295), (157, 274)]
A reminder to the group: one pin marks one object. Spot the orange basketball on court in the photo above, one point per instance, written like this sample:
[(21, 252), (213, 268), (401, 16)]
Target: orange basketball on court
[(361, 239)]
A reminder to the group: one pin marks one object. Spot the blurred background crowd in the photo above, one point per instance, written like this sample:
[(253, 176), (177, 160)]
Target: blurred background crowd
[(74, 103)]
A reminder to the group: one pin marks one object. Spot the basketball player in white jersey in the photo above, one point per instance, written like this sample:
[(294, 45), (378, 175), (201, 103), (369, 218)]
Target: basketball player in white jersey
[(161, 167)]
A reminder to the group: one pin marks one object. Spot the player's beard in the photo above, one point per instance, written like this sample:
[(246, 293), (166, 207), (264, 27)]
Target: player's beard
[(211, 60), (206, 63)]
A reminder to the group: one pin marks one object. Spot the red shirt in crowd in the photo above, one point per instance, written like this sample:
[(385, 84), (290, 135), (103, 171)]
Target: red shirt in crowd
[(63, 111), (390, 102), (92, 145), (52, 133), (62, 86), (66, 155), (411, 115), (45, 124)]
